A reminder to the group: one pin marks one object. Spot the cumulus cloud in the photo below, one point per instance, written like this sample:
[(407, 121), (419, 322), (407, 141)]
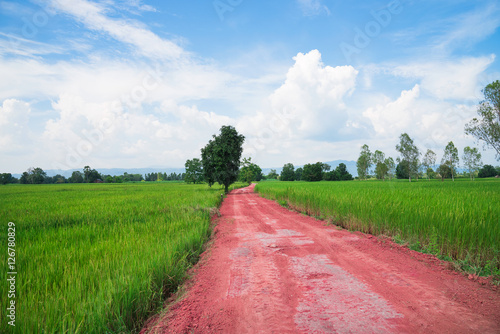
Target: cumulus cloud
[(92, 133), (456, 79), (431, 123), (309, 105), (14, 132)]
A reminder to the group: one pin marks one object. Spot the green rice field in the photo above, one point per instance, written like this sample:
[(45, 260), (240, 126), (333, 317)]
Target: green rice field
[(458, 220), (99, 258)]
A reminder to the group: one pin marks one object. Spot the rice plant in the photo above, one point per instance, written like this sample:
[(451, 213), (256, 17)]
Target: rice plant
[(100, 258)]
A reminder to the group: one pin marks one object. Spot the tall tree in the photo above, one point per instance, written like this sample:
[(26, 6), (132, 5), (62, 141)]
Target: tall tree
[(76, 177), (33, 176), (208, 162), (409, 154), (428, 161), (391, 167), (364, 162), (5, 178), (342, 173), (288, 172), (381, 168), (86, 173), (249, 171), (313, 172), (194, 171), (224, 155), (378, 156), (272, 174), (298, 173), (445, 171), (486, 128), (450, 158), (472, 160)]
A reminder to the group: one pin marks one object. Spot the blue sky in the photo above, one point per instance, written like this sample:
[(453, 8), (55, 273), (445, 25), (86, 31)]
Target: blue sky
[(136, 83)]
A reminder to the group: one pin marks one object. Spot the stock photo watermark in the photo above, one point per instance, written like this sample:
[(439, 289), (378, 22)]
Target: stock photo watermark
[(224, 6), (372, 29), (11, 273)]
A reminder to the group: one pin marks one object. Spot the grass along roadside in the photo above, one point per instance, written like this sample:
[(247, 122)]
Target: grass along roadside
[(455, 220), (95, 258)]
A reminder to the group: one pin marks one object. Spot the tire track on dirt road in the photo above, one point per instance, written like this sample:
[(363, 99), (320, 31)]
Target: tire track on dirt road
[(270, 270)]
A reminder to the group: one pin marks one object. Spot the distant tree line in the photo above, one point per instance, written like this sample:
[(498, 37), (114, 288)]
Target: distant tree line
[(87, 175), (409, 166), (313, 172)]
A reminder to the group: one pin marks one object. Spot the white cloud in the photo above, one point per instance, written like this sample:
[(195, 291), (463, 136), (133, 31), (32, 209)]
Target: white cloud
[(14, 132), (106, 135), (131, 32), (308, 106), (313, 94), (454, 79), (15, 45), (469, 28)]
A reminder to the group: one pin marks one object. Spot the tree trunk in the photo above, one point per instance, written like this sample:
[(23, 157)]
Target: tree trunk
[(227, 188)]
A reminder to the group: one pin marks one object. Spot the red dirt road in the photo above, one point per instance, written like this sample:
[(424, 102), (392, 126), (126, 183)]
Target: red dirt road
[(270, 270)]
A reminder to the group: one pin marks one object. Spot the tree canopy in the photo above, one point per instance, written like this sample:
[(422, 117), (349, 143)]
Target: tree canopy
[(222, 156), (249, 171), (194, 171), (486, 127), (472, 160), (409, 154), (364, 162), (450, 158), (288, 172)]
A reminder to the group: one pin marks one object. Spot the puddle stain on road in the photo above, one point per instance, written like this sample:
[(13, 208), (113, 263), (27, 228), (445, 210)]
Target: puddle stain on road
[(335, 301)]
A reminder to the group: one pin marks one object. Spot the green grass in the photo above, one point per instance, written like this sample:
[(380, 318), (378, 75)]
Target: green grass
[(97, 258), (459, 220)]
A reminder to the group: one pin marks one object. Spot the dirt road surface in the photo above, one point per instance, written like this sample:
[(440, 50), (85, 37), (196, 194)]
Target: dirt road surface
[(270, 270)]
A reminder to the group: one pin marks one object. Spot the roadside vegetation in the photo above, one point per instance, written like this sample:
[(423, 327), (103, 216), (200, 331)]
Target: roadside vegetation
[(101, 258), (457, 220)]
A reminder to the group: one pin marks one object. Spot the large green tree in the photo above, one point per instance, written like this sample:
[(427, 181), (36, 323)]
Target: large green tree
[(288, 172), (6, 178), (342, 173), (76, 177), (428, 162), (194, 171), (273, 175), (487, 171), (381, 169), (208, 162), (249, 171), (224, 153), (33, 176), (298, 173), (444, 171), (409, 155), (313, 172), (472, 160), (486, 127), (364, 162), (450, 158)]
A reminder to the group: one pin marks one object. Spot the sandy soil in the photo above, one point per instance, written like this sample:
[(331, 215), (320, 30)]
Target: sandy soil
[(270, 270)]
